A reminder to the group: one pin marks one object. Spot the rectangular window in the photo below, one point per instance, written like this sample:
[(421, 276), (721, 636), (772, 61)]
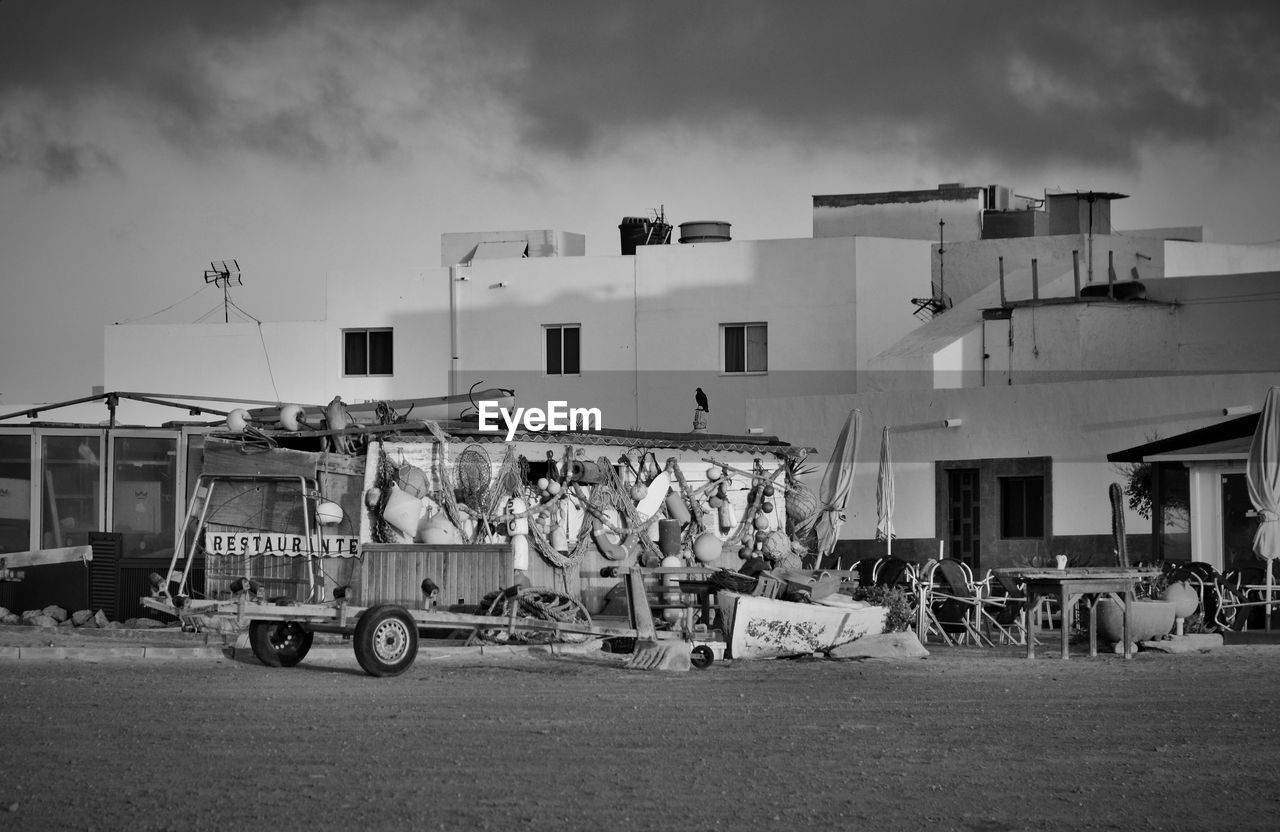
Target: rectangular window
[(563, 349), (1022, 507), (366, 352), (746, 348)]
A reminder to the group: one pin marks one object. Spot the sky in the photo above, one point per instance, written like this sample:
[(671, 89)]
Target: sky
[(142, 139)]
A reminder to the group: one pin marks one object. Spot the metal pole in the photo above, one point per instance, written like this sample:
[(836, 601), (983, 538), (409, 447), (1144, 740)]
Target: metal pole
[(1002, 300), (1075, 268), (1035, 279)]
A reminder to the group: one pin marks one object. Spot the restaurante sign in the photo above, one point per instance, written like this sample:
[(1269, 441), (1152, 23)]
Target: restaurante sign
[(275, 543)]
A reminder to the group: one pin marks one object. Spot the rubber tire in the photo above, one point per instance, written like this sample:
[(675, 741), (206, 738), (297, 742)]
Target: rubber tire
[(701, 657), (279, 643), (386, 640)]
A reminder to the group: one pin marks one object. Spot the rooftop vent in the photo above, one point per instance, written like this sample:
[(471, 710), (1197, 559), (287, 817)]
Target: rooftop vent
[(704, 231)]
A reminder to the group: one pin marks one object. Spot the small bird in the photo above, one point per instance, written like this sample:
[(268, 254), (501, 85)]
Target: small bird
[(701, 398)]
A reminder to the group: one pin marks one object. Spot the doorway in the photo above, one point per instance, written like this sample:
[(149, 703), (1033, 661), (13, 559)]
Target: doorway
[(964, 512)]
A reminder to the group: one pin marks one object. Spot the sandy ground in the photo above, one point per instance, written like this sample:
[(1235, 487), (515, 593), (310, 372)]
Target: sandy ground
[(966, 739)]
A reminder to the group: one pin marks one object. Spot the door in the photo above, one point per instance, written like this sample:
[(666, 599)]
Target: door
[(1239, 522), (963, 513)]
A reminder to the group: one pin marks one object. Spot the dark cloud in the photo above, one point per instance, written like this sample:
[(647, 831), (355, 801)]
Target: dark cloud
[(1015, 83)]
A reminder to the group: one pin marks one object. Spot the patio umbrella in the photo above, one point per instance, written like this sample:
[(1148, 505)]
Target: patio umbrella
[(1263, 474), (837, 482), (884, 494)]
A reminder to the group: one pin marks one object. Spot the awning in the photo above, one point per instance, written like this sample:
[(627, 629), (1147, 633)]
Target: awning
[(1225, 440)]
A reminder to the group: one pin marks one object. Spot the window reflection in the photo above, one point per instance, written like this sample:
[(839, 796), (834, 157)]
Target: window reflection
[(144, 490), (72, 501)]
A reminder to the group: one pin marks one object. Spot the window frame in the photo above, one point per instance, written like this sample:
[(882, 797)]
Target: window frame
[(547, 329), (724, 348), (1005, 521), (368, 353)]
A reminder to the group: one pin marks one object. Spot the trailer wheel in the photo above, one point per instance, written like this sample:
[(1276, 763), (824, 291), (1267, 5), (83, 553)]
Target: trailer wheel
[(701, 657), (279, 643), (386, 640)]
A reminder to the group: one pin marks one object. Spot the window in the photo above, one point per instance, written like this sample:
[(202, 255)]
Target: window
[(746, 348), (563, 348), (366, 352), (1022, 507)]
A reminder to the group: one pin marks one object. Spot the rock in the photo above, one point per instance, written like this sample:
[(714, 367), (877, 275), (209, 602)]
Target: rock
[(81, 617), (55, 612), (142, 624), (28, 615), (100, 619), (42, 620), (113, 625), (11, 618), (1191, 643), (881, 646), (4, 613)]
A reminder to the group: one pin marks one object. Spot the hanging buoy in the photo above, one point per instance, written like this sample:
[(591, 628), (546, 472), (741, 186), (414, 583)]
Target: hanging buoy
[(237, 419), (669, 537), (706, 549), (676, 509), (519, 553), (726, 517), (291, 417), (328, 513)]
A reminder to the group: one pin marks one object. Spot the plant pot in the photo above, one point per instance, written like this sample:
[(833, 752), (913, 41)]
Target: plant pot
[(1186, 599), (1150, 619)]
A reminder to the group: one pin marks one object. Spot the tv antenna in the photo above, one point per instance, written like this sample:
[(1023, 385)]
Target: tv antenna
[(223, 274)]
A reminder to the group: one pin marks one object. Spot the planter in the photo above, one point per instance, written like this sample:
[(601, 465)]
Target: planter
[(1186, 599), (1150, 619)]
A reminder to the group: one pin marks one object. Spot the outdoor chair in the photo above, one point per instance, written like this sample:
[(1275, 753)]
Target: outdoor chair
[(950, 603), (1003, 602)]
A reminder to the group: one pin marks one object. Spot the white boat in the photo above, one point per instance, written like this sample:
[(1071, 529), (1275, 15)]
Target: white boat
[(766, 628)]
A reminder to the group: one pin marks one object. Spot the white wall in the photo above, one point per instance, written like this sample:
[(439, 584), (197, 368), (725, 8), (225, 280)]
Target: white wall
[(1183, 259), (1075, 423), (901, 214)]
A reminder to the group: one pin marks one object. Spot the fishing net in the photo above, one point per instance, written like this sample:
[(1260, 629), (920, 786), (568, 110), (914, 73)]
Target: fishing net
[(471, 472)]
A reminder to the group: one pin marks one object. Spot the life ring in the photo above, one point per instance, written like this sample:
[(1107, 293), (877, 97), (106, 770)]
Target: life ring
[(623, 549)]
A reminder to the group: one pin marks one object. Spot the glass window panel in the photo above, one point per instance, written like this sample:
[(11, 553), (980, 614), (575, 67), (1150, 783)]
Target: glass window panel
[(355, 353), (554, 351), (757, 348), (15, 493), (380, 349), (71, 506), (572, 364), (735, 349), (144, 494)]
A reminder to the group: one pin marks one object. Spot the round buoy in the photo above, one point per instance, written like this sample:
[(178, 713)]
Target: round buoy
[(371, 498), (638, 492), (706, 548), (328, 513), (291, 417), (237, 420)]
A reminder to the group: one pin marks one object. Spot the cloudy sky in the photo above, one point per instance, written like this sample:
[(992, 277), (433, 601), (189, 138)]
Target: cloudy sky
[(141, 139)]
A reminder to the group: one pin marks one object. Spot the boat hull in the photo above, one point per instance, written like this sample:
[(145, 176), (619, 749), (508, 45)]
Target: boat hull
[(765, 628)]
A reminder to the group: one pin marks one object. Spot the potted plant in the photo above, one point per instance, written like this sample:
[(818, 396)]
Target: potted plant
[(1152, 616)]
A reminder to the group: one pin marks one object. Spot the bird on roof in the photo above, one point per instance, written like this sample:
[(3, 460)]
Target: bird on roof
[(701, 398)]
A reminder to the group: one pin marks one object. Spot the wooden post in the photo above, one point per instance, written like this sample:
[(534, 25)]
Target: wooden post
[(1111, 275), (1035, 279)]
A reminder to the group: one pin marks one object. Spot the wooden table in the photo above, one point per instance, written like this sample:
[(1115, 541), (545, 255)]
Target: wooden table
[(1069, 586)]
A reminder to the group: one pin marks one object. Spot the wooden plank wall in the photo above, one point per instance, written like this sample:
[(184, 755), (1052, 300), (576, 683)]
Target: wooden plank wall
[(393, 573)]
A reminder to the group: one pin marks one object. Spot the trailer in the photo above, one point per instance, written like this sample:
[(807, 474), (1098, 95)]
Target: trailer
[(385, 636)]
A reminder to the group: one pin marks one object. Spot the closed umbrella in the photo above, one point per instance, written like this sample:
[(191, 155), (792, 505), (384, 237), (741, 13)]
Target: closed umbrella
[(1263, 474), (884, 494), (837, 482)]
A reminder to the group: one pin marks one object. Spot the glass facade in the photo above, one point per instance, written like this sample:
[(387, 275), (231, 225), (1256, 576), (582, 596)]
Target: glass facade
[(15, 492), (144, 488), (71, 480)]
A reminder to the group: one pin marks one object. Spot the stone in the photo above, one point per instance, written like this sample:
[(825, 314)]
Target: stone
[(11, 618), (142, 624), (55, 612), (886, 646), (100, 619), (42, 620), (4, 613), (1190, 643), (27, 615), (81, 617)]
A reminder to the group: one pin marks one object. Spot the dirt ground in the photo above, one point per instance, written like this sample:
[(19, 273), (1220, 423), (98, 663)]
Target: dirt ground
[(966, 739)]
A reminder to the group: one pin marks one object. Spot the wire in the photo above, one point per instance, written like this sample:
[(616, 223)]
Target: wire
[(270, 373), (166, 309)]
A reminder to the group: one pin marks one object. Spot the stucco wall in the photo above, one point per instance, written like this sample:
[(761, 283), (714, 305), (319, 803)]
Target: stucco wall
[(1075, 423), (1182, 259)]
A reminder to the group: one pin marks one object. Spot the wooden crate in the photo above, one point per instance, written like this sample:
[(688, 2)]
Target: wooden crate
[(393, 573)]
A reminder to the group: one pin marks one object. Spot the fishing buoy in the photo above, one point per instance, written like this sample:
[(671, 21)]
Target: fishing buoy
[(291, 417), (706, 549), (519, 553), (676, 509), (237, 420), (328, 513), (638, 492), (726, 517), (371, 498), (669, 537), (760, 522), (518, 524), (672, 610)]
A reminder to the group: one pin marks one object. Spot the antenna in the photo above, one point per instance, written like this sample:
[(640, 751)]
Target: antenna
[(223, 274)]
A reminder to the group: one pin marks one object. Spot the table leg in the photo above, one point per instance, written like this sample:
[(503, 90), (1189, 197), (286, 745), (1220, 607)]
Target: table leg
[(1064, 614), (1128, 622), (1026, 621), (1093, 625)]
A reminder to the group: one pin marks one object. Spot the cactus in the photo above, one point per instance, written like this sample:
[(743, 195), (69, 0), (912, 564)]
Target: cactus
[(1117, 524)]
